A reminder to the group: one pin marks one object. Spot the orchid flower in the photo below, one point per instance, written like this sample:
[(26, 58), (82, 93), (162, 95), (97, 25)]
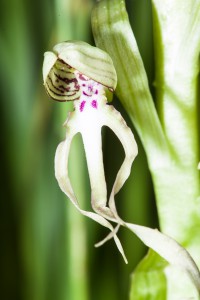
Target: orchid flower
[(78, 72)]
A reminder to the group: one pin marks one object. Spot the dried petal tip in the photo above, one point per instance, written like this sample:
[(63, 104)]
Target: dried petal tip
[(59, 69)]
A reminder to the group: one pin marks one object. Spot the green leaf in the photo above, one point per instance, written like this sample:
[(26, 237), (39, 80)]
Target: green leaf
[(112, 33), (177, 47), (148, 280)]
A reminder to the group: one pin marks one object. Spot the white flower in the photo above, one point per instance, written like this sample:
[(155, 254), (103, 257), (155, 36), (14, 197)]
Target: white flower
[(78, 72)]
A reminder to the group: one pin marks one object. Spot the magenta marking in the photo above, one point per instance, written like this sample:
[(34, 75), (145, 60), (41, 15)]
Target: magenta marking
[(94, 104), (82, 105), (84, 93), (96, 92), (90, 88)]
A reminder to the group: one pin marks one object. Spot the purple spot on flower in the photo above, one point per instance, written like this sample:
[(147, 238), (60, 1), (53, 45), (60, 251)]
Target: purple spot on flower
[(94, 104), (82, 105), (96, 92), (90, 87)]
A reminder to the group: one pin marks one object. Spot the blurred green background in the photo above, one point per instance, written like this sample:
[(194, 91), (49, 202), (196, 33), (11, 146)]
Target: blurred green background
[(47, 247)]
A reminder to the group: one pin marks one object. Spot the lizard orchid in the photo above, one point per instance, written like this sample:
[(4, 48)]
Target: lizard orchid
[(78, 72)]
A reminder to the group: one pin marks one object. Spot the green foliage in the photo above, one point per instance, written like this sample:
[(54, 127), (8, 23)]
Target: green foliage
[(148, 280)]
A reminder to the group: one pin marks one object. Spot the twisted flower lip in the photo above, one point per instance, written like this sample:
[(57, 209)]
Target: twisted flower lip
[(90, 114)]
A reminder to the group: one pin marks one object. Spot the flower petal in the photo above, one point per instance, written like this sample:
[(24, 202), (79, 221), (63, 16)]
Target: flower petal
[(92, 141), (169, 249), (61, 173), (88, 60)]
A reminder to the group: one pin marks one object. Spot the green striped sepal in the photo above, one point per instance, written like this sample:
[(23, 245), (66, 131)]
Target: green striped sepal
[(60, 65)]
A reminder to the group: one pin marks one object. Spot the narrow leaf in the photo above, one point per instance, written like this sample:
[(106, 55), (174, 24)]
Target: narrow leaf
[(112, 33)]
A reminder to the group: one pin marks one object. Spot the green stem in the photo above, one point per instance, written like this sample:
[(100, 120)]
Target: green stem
[(177, 68), (177, 46)]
